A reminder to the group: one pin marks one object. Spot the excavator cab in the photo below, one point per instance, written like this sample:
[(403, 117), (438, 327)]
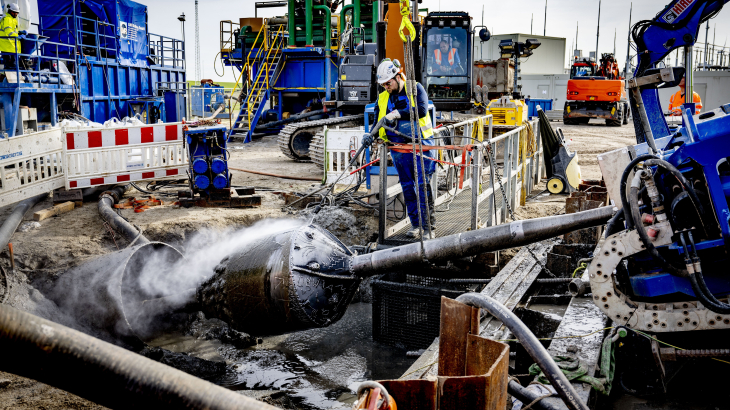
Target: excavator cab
[(446, 63)]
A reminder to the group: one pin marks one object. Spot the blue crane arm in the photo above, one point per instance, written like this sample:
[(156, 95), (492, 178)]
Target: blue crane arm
[(677, 25)]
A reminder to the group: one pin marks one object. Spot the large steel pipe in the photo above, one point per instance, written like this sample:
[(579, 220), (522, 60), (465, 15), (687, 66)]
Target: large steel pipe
[(305, 277), (478, 241), (101, 372)]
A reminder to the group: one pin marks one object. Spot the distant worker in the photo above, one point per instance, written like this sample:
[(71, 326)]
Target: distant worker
[(8, 34), (393, 105), (446, 59), (676, 101)]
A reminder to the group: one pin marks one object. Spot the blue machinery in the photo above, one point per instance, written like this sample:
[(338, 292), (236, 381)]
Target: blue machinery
[(668, 271), (293, 72), (92, 57), (208, 159)]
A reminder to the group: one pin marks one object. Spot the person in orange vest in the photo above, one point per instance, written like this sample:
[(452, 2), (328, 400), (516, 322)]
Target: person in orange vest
[(675, 103), (446, 59)]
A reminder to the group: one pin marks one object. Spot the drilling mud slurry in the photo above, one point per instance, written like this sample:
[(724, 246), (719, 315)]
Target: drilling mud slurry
[(311, 369)]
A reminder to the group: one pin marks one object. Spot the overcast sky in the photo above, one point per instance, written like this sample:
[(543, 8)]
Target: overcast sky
[(500, 16)]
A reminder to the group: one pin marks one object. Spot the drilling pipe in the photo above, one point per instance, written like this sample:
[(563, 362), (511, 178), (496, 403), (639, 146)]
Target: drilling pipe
[(478, 241), (305, 277)]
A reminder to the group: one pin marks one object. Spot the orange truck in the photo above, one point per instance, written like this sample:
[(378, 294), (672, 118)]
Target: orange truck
[(596, 92)]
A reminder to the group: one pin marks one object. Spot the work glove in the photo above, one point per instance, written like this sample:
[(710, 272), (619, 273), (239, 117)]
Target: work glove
[(22, 32), (367, 140), (393, 115)]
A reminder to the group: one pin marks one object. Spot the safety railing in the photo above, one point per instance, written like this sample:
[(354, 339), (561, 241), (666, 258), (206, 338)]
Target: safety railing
[(95, 39), (251, 57), (167, 51), (226, 35), (25, 67), (261, 83), (469, 194)]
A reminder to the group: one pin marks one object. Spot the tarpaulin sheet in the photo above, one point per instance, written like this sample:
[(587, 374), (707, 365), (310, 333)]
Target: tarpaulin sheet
[(128, 38)]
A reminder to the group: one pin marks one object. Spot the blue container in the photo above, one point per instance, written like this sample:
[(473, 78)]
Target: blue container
[(218, 166), (532, 103), (220, 181), (200, 165), (202, 181)]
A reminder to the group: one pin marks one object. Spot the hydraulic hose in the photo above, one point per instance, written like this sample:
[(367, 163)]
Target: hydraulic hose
[(293, 118), (16, 217), (533, 346), (624, 179), (106, 211), (103, 373), (527, 396), (685, 184), (699, 287), (643, 236), (614, 224)]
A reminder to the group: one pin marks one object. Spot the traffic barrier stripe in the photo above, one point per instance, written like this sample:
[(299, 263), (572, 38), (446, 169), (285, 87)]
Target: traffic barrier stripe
[(123, 136), (118, 155)]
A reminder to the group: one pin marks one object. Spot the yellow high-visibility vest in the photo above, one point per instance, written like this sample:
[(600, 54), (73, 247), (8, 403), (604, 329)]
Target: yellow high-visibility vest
[(424, 123)]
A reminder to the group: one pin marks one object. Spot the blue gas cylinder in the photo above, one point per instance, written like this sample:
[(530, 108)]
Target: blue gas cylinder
[(202, 181), (218, 166), (220, 181), (200, 165)]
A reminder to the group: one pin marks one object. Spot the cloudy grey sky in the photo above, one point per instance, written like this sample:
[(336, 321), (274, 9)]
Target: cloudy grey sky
[(500, 16)]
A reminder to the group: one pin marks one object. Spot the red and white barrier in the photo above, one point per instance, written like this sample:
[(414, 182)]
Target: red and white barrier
[(96, 157)]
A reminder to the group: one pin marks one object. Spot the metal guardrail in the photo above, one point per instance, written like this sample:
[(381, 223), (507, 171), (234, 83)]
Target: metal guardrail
[(28, 65), (520, 152), (167, 51)]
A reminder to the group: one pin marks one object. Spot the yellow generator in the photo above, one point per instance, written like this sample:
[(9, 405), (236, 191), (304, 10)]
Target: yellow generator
[(506, 111)]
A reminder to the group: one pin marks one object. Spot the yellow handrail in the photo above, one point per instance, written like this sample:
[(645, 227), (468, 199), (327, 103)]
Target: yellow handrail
[(248, 59), (264, 70)]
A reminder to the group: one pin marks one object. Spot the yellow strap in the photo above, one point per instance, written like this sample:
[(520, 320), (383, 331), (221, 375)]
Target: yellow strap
[(405, 22)]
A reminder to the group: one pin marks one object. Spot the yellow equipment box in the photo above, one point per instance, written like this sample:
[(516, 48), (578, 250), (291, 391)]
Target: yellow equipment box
[(507, 112)]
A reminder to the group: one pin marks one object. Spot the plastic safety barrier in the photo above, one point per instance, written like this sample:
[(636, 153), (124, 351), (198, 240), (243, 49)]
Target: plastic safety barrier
[(30, 165), (96, 157)]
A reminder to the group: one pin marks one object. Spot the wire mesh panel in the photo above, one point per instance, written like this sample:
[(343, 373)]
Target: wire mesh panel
[(408, 315)]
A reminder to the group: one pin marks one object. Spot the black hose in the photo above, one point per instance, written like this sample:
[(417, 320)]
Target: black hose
[(528, 396), (533, 346), (16, 217), (644, 237), (103, 373), (106, 211), (624, 178), (699, 287), (685, 185), (614, 224), (293, 118)]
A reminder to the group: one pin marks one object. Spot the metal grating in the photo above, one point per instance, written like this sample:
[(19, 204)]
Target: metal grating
[(408, 315), (454, 218)]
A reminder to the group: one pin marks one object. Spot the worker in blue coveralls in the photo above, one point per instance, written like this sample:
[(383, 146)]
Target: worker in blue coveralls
[(393, 105)]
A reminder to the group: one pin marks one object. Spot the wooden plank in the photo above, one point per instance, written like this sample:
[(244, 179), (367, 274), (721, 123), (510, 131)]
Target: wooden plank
[(53, 211), (582, 317), (508, 287)]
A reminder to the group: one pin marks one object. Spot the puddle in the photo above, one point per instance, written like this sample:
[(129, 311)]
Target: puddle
[(316, 368)]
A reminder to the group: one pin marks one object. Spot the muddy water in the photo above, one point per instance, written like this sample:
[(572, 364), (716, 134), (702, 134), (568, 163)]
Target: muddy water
[(316, 368)]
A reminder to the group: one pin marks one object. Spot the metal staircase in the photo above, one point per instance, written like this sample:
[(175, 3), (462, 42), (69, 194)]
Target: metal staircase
[(267, 60)]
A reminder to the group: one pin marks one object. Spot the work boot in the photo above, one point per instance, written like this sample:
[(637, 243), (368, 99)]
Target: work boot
[(413, 233), (429, 234)]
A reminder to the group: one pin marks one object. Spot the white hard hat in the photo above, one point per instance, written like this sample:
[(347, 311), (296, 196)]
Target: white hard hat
[(386, 71), (14, 7)]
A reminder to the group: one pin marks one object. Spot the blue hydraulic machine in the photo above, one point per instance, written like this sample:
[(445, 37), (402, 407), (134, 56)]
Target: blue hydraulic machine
[(208, 174), (90, 59)]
